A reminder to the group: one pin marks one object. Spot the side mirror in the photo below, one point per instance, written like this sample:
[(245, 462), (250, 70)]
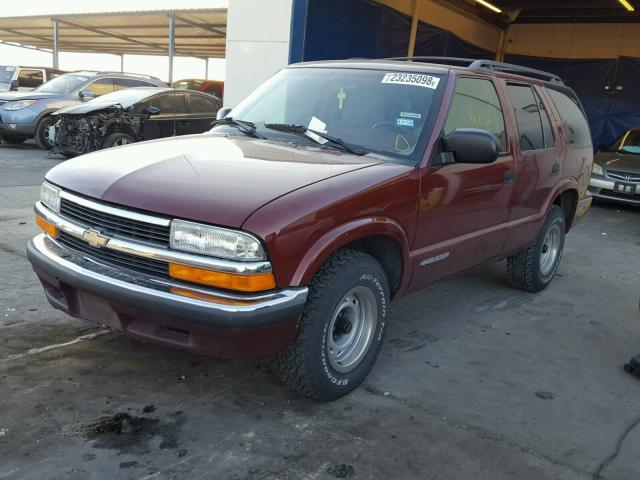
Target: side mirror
[(86, 94), (14, 85), (471, 145), (151, 110), (223, 112)]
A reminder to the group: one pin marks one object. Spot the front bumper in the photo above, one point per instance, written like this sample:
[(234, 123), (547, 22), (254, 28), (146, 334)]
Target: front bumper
[(602, 187), (148, 308)]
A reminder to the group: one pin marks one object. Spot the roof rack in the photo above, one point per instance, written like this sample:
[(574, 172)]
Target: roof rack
[(486, 65)]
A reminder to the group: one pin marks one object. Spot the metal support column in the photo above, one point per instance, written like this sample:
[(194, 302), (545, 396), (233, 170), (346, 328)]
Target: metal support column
[(55, 44), (414, 27), (502, 45), (206, 68), (122, 63), (172, 42)]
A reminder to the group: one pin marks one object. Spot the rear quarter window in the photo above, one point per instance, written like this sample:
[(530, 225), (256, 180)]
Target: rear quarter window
[(575, 124)]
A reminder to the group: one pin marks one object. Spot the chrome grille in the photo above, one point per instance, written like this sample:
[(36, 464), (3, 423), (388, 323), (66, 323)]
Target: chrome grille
[(113, 225), (115, 258), (624, 176)]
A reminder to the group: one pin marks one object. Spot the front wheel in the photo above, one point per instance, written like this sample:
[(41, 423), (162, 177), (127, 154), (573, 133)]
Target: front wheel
[(41, 133), (533, 268), (341, 328), (117, 139)]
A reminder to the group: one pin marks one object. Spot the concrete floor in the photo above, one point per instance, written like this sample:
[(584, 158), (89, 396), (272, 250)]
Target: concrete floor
[(475, 380)]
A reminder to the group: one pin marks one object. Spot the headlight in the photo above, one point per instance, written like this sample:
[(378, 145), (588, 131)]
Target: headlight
[(597, 169), (215, 241), (19, 104), (50, 196)]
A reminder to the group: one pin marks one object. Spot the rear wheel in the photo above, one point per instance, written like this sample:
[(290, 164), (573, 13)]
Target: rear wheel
[(341, 328), (117, 139), (11, 139), (533, 268), (41, 133)]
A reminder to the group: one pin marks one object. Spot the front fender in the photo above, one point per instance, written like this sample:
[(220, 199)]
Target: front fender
[(348, 233)]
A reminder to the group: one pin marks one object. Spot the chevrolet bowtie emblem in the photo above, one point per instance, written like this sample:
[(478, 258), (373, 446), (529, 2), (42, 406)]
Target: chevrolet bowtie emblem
[(95, 238)]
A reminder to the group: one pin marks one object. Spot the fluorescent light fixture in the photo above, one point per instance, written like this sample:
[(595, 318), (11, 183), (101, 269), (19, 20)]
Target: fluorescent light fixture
[(493, 8), (627, 5)]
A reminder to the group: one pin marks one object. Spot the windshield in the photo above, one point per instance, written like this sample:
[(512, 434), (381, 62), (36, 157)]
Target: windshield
[(126, 97), (6, 73), (384, 112), (62, 84), (629, 142)]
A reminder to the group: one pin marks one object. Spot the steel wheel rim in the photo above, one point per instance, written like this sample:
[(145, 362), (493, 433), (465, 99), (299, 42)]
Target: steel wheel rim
[(122, 141), (351, 330), (550, 250)]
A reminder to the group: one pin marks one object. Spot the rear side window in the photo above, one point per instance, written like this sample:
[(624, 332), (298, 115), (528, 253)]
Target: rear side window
[(575, 123), (202, 104), (122, 83), (546, 124), (527, 110), (476, 105), (29, 77)]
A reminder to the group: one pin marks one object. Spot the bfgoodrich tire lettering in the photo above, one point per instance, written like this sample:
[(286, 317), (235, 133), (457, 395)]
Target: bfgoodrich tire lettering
[(308, 366), (533, 268)]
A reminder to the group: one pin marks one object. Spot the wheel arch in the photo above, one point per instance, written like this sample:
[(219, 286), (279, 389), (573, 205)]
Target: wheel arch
[(566, 198), (382, 238)]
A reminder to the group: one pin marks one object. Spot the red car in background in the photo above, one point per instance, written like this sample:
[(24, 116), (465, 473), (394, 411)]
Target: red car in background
[(212, 87)]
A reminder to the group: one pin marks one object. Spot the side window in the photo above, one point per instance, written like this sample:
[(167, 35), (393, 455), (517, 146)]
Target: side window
[(214, 90), (169, 104), (476, 105), (527, 111), (547, 131), (122, 83), (100, 87), (29, 77), (202, 104), (576, 125)]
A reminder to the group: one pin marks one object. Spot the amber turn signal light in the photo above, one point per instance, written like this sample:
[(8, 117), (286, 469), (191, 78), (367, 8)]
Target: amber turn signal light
[(255, 282), (46, 227)]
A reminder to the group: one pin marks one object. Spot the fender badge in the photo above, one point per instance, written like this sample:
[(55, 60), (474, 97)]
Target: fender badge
[(95, 238), (434, 259)]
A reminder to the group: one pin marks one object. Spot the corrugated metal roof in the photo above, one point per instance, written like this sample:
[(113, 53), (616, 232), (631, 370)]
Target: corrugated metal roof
[(198, 32)]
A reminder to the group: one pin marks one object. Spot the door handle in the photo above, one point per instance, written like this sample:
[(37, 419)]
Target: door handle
[(509, 177), (555, 169)]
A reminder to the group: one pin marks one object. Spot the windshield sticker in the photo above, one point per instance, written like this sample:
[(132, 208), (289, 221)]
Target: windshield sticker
[(10, 69), (404, 122), (402, 145), (342, 96), (319, 126), (410, 115), (413, 79)]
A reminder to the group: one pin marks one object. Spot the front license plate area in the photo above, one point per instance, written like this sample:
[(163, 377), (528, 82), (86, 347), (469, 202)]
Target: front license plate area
[(625, 188)]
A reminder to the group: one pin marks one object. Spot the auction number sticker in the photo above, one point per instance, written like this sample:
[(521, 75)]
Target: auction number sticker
[(415, 79)]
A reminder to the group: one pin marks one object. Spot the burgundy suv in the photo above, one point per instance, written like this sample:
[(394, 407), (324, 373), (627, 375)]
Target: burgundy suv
[(331, 190)]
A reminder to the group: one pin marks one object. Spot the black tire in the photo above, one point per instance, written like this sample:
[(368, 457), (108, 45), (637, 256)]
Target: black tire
[(306, 366), (116, 138), (41, 133), (12, 140), (68, 154), (525, 269)]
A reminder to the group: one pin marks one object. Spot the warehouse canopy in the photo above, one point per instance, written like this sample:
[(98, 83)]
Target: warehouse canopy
[(198, 32)]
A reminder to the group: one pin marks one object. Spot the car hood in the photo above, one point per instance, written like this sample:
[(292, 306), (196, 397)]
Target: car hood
[(83, 108), (12, 96), (618, 161), (208, 178)]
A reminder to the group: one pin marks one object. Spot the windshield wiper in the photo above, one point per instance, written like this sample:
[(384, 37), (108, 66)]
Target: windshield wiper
[(301, 130), (247, 128)]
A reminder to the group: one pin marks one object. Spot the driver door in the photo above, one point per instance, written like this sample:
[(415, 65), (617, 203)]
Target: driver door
[(463, 208)]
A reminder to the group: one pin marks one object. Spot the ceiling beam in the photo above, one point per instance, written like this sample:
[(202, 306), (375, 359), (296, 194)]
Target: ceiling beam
[(201, 27), (104, 32)]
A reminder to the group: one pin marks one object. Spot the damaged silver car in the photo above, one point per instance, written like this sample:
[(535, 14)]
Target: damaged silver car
[(129, 116)]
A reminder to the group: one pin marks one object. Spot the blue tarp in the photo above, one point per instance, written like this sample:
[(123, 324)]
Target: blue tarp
[(336, 29)]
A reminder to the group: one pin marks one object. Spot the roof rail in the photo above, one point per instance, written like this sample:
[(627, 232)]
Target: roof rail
[(485, 65), (141, 75), (511, 68), (444, 60)]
